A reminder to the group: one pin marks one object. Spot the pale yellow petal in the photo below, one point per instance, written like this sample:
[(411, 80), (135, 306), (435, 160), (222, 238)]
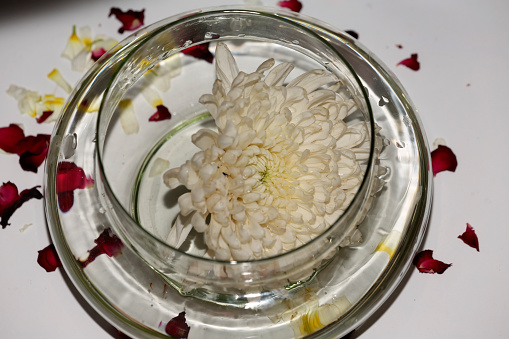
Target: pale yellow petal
[(127, 117), (57, 77)]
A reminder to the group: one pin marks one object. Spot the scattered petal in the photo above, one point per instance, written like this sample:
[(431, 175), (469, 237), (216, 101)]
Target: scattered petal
[(293, 5), (426, 264), (159, 166), (10, 136), (470, 238), (399, 46), (131, 20), (74, 46), (48, 258), (177, 327), (411, 62), (34, 104), (162, 114), (97, 53), (443, 159), (32, 151), (57, 77), (200, 52), (107, 243), (69, 178), (10, 200), (353, 33), (127, 117), (44, 117)]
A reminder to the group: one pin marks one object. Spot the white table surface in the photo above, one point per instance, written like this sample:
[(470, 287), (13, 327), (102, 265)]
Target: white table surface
[(460, 92)]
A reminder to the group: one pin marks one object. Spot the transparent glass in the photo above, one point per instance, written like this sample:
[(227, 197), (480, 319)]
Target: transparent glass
[(253, 37), (131, 290)]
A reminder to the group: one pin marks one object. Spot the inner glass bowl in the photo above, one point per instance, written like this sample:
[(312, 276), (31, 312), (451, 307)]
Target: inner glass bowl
[(131, 159)]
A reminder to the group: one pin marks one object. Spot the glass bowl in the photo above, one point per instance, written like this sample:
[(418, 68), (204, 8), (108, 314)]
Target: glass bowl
[(143, 209), (320, 289)]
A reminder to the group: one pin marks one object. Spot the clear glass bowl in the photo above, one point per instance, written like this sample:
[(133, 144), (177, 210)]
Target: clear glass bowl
[(343, 286), (143, 209)]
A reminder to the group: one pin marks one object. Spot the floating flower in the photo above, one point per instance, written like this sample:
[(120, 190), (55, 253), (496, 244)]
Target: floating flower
[(200, 52), (426, 264), (294, 5), (48, 258), (470, 238), (69, 178), (443, 159), (36, 105), (11, 200), (107, 243), (177, 327), (131, 20), (162, 113), (80, 46), (281, 168), (411, 62)]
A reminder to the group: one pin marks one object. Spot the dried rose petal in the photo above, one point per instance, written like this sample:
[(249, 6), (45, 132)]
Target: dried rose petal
[(48, 258), (353, 33), (10, 200), (399, 46), (10, 136), (32, 151), (200, 52), (97, 53), (69, 178), (131, 20), (293, 5), (162, 114), (177, 327), (44, 116), (106, 243), (426, 264), (411, 62), (470, 238), (443, 159)]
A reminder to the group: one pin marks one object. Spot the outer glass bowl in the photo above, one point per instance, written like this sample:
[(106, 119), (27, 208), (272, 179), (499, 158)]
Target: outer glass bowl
[(143, 209), (342, 289)]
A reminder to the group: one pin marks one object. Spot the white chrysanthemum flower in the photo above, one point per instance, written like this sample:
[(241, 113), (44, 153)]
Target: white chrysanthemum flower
[(281, 168)]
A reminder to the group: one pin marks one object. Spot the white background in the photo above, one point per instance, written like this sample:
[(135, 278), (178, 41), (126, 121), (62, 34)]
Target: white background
[(461, 93)]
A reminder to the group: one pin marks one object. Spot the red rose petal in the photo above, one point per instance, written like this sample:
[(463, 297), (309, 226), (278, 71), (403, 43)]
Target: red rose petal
[(10, 136), (426, 264), (399, 46), (97, 53), (69, 178), (131, 20), (44, 116), (353, 34), (177, 327), (162, 114), (200, 52), (32, 151), (106, 243), (48, 258), (470, 238), (293, 5), (411, 62), (10, 200), (443, 159)]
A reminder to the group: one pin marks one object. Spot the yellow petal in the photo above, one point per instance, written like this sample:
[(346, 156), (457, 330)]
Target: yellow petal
[(57, 77), (74, 46), (127, 117)]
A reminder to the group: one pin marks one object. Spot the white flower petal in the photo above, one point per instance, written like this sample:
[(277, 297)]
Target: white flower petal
[(127, 117)]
